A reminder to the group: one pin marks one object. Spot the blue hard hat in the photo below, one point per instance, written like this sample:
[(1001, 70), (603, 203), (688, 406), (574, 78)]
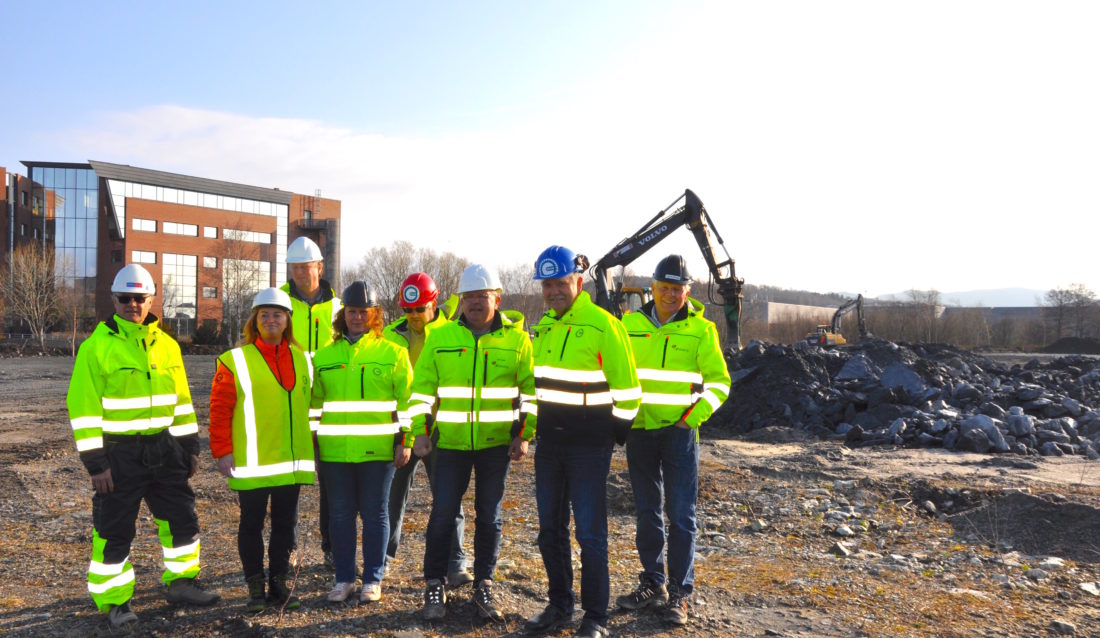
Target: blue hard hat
[(555, 262)]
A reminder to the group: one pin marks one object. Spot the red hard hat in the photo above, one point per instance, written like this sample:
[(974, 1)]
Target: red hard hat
[(417, 290)]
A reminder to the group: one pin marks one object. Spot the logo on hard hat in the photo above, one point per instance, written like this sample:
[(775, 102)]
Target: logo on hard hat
[(548, 267), (410, 294), (134, 284)]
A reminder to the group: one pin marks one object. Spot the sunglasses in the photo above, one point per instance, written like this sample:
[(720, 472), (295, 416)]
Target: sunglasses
[(418, 309), (128, 299)]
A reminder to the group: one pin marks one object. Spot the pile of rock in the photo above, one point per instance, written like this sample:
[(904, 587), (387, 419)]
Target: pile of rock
[(878, 392)]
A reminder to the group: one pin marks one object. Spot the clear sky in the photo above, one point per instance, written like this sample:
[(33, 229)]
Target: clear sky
[(869, 147)]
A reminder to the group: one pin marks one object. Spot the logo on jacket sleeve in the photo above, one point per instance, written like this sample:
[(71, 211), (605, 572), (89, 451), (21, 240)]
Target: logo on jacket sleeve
[(410, 294)]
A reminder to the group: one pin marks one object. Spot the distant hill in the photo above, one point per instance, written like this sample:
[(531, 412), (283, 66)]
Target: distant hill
[(995, 298)]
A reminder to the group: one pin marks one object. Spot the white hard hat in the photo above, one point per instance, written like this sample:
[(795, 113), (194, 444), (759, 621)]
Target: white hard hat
[(272, 297), (478, 277), (303, 250), (133, 279)]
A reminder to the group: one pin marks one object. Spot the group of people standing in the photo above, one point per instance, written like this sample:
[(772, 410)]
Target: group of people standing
[(321, 387)]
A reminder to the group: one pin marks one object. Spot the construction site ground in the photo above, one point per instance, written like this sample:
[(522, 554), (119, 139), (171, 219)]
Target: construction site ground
[(942, 543)]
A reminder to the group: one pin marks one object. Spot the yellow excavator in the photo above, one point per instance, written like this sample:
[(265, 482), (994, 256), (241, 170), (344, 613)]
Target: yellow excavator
[(829, 335)]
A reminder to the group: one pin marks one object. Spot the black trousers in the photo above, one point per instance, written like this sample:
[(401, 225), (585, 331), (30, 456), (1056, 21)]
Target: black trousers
[(153, 468), (284, 529)]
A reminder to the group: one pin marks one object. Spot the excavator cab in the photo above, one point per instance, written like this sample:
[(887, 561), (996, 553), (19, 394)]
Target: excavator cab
[(631, 299)]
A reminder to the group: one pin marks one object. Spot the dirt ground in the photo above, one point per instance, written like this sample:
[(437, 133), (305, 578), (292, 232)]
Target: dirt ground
[(942, 544)]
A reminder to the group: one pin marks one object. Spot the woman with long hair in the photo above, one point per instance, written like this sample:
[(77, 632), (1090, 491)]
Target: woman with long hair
[(361, 386), (259, 436)]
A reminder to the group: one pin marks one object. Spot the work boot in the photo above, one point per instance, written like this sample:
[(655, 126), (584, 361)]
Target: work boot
[(486, 606), (675, 611), (549, 618), (458, 578), (589, 629), (646, 594), (120, 619), (188, 591), (255, 602), (279, 593), (435, 600)]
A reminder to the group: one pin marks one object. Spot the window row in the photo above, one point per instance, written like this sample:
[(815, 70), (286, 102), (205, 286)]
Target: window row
[(193, 198), (246, 235)]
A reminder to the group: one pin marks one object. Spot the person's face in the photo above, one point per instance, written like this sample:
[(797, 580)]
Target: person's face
[(419, 316), (356, 318), (271, 323), (307, 276), (559, 294), (479, 307), (669, 298), (133, 308)]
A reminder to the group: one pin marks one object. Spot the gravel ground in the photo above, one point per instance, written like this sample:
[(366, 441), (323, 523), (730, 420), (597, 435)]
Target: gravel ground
[(933, 543)]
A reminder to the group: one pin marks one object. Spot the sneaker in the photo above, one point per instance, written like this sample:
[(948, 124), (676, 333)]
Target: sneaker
[(256, 594), (341, 592), (647, 593), (280, 595), (120, 619), (188, 591), (589, 629), (675, 611), (486, 606), (435, 600), (372, 593), (549, 618), (458, 578)]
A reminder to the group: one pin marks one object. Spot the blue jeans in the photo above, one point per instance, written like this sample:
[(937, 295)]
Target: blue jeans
[(665, 460), (452, 478), (399, 497), (568, 475), (358, 489)]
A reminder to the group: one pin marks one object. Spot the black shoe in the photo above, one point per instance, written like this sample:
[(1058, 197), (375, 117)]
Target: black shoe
[(548, 619), (256, 595), (188, 591), (120, 619), (278, 593), (435, 600), (589, 629), (486, 605), (675, 611), (647, 593)]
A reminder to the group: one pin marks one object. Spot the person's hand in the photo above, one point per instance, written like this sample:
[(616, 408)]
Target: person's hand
[(102, 482), (518, 450), (226, 465), (194, 466), (401, 455), (422, 446), (682, 424)]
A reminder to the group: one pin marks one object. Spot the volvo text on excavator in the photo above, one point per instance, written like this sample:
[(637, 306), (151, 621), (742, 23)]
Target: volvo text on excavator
[(829, 335), (688, 211)]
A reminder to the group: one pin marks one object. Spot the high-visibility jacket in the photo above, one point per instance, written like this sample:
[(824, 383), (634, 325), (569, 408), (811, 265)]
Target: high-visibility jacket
[(362, 390), (271, 440), (587, 388), (485, 385), (129, 379), (398, 331), (680, 365), (312, 323)]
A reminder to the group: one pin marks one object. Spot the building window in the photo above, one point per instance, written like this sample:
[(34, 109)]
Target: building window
[(147, 225), (35, 233), (180, 280), (23, 198), (116, 256), (210, 232), (22, 230), (143, 257), (209, 292), (246, 235), (307, 216), (172, 228), (209, 262)]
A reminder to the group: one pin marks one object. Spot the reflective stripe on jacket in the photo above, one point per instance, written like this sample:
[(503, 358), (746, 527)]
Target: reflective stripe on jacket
[(587, 387), (680, 366), (484, 385), (128, 379), (362, 390), (312, 323), (271, 441)]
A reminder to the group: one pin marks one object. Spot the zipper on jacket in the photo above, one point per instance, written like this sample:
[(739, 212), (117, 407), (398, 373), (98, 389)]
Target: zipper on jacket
[(473, 392), (148, 375), (568, 331), (362, 374), (664, 352)]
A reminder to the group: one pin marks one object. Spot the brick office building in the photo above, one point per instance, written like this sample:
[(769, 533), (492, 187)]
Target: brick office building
[(209, 244)]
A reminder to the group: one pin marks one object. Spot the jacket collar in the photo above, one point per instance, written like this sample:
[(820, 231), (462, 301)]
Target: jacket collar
[(496, 324), (326, 293), (125, 327), (691, 307), (269, 350)]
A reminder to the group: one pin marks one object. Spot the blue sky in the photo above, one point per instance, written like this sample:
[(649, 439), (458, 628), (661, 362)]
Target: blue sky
[(866, 147)]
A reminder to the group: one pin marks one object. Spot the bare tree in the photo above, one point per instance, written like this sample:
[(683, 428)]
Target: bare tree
[(384, 268), (243, 275), (1082, 304), (29, 288), (522, 292), (924, 304), (1056, 310)]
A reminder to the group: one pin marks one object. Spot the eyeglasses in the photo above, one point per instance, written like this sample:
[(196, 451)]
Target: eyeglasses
[(480, 296), (418, 309), (126, 300)]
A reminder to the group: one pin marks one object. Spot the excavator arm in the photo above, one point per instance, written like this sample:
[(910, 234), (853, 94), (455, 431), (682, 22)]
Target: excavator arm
[(855, 305), (688, 211)]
